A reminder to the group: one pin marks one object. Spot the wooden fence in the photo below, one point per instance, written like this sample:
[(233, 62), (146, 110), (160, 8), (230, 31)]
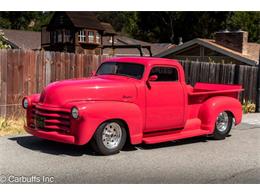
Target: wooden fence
[(24, 72), (224, 73)]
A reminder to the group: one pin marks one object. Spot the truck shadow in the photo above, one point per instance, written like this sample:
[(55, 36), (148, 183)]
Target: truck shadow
[(176, 143), (167, 144), (51, 147), (56, 148)]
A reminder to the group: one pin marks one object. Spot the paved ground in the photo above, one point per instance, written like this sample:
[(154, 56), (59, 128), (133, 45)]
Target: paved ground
[(198, 160)]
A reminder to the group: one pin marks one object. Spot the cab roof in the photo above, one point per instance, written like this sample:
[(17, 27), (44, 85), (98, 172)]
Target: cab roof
[(144, 60)]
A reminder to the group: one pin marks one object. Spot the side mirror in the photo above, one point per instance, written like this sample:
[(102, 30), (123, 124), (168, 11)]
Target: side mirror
[(92, 73), (153, 78)]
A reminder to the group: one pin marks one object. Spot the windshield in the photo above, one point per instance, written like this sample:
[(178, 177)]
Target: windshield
[(122, 69)]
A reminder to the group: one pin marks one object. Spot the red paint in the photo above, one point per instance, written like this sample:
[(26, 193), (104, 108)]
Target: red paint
[(153, 111)]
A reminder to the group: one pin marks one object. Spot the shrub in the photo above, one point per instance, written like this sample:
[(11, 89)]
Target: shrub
[(248, 107)]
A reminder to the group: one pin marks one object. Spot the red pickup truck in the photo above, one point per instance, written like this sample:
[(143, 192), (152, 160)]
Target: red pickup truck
[(143, 100)]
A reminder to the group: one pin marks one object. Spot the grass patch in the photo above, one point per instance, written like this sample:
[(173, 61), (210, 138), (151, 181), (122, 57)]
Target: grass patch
[(11, 126)]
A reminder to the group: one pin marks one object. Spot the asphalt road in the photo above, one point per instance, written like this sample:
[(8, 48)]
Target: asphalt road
[(27, 159)]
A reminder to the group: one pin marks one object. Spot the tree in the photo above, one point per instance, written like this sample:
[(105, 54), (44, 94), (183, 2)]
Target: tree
[(24, 20), (122, 22), (248, 21), (157, 26), (170, 26), (153, 26), (3, 44)]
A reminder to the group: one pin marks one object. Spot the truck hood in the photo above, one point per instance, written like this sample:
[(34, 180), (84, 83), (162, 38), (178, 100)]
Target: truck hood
[(86, 89)]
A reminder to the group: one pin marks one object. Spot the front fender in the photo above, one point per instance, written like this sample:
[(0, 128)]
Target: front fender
[(93, 113), (211, 108)]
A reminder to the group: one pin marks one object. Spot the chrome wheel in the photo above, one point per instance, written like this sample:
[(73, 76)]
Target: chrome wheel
[(222, 121), (111, 135)]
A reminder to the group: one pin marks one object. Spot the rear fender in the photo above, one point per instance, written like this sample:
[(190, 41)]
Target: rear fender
[(211, 108), (93, 113)]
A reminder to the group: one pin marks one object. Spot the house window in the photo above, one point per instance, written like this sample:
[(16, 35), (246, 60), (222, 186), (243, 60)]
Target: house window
[(98, 38), (61, 19), (59, 34), (82, 36), (53, 36), (111, 39), (90, 36), (67, 36)]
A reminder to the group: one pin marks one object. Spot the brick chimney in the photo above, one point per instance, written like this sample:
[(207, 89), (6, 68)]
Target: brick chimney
[(235, 40)]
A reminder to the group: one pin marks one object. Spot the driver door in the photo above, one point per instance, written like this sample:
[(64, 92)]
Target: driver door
[(164, 100)]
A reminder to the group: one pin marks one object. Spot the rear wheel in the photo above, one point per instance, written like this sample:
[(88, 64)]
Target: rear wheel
[(109, 138), (223, 125)]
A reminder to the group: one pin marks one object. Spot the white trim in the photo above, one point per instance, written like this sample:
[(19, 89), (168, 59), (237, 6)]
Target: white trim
[(91, 37), (98, 37), (82, 36)]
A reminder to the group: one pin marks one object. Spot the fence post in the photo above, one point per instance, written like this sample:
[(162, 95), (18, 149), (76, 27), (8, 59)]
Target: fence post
[(258, 87), (48, 59), (236, 75)]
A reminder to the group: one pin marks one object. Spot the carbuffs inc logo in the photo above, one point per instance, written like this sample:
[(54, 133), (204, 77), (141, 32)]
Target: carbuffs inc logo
[(5, 179)]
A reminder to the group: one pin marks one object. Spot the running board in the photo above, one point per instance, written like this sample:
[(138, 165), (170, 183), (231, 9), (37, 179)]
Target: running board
[(173, 135)]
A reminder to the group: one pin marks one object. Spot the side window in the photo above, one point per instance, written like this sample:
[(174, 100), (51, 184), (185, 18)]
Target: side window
[(164, 73)]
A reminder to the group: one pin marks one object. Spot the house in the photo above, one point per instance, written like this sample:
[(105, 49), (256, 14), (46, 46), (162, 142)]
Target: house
[(77, 32), (20, 39), (227, 47), (82, 32)]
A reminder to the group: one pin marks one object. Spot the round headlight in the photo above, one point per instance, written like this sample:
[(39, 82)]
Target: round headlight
[(25, 103), (75, 113)]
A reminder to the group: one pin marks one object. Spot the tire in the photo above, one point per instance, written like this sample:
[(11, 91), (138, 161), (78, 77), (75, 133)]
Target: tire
[(109, 138), (223, 125)]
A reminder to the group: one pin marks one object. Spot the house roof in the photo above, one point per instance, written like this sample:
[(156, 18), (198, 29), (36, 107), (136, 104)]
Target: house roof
[(84, 20), (251, 58), (123, 40), (23, 39), (109, 30)]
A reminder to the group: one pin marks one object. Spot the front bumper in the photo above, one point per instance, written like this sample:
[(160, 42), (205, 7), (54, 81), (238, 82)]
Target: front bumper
[(51, 135)]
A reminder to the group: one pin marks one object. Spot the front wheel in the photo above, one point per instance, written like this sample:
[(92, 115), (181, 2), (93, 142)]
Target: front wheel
[(223, 125), (109, 138)]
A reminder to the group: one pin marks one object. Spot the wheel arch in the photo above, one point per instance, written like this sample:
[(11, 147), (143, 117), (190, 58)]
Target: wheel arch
[(123, 122), (96, 113), (210, 109)]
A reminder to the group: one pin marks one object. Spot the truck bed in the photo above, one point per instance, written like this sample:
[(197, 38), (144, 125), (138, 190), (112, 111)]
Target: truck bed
[(198, 94), (214, 89)]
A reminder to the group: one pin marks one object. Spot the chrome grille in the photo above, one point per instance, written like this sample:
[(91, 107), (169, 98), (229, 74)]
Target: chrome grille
[(54, 120)]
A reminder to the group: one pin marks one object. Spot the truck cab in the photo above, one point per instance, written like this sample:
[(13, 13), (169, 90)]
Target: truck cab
[(143, 100)]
